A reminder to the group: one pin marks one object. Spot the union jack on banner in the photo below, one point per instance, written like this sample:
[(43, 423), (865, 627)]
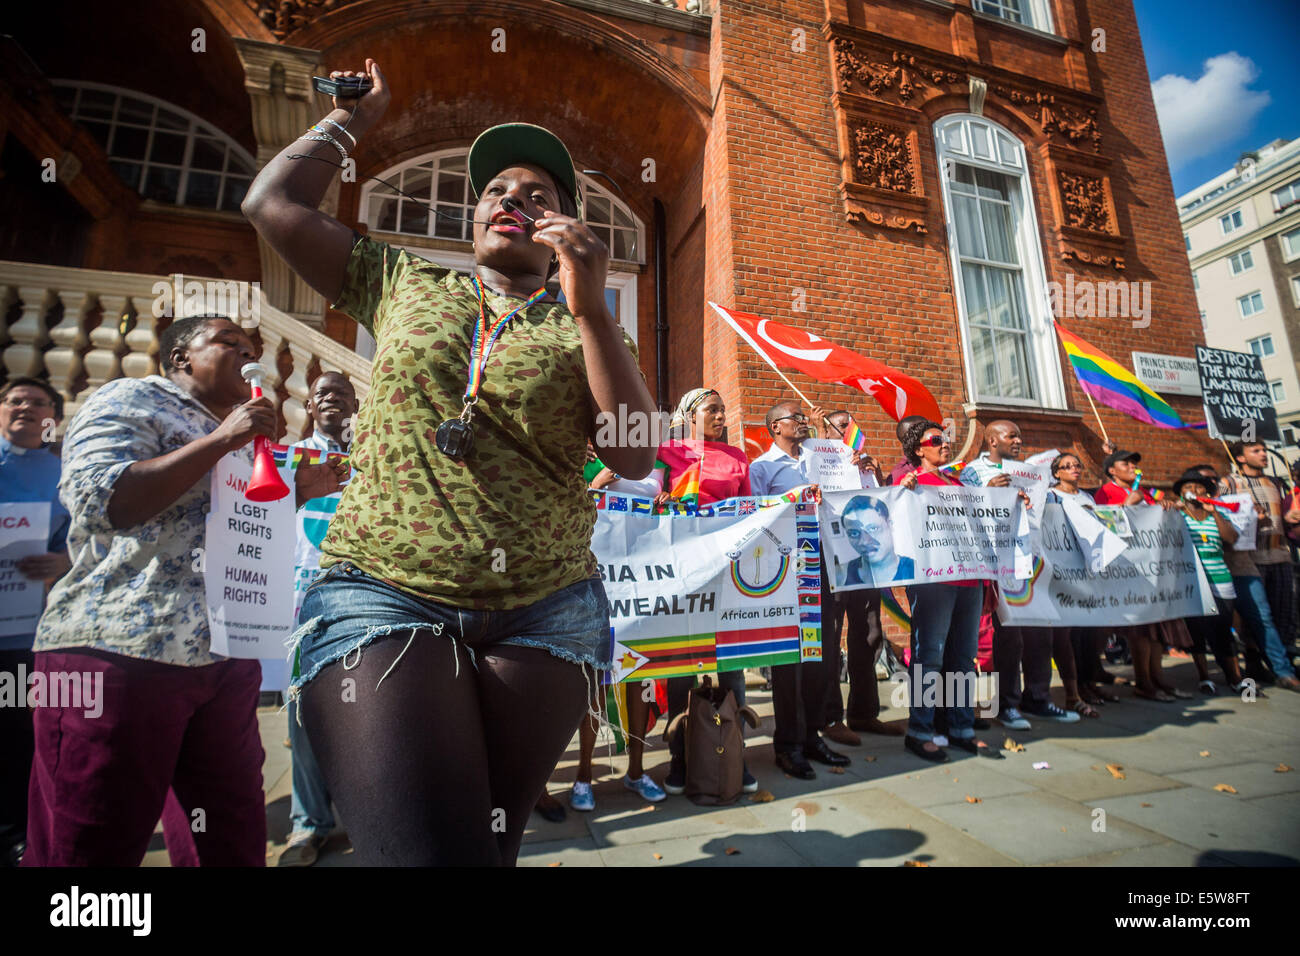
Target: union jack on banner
[(746, 507)]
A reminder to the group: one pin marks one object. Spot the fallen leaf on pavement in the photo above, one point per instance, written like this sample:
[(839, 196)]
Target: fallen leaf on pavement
[(556, 863), (1205, 753), (731, 851), (1144, 804), (1282, 768), (658, 856), (762, 796), (1225, 788), (914, 863), (869, 759), (970, 799), (1011, 745), (837, 769), (1116, 770)]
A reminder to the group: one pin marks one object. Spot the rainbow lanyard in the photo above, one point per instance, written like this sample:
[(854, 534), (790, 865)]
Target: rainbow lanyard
[(485, 338)]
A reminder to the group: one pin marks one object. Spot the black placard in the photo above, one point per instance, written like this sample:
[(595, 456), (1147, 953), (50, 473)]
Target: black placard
[(1236, 395)]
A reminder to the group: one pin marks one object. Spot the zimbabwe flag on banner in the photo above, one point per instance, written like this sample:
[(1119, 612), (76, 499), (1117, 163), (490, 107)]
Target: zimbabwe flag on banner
[(700, 592)]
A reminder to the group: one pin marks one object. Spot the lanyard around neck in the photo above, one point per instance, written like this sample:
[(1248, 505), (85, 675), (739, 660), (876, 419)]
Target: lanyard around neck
[(485, 338)]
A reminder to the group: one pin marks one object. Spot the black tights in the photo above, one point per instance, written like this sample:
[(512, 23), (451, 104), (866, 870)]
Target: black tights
[(435, 769)]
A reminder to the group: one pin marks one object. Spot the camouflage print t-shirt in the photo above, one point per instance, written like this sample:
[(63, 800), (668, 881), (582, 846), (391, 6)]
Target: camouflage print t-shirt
[(512, 523)]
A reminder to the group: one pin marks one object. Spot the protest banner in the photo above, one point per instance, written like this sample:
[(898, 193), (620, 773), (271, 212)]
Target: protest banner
[(1245, 519), (1033, 478), (1237, 398), (24, 531), (248, 567), (831, 466), (1158, 577), (893, 536), (724, 586)]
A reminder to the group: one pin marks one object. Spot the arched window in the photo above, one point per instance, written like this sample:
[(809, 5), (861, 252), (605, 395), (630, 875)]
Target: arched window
[(441, 179), (162, 151), (1009, 343)]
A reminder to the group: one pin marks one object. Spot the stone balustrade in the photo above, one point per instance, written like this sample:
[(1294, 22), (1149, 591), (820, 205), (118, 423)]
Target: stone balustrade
[(81, 328)]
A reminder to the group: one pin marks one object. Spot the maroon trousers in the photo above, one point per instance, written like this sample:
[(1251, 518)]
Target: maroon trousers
[(99, 782)]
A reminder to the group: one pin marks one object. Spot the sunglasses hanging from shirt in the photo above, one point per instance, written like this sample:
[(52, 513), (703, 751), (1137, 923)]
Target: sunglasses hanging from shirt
[(455, 436)]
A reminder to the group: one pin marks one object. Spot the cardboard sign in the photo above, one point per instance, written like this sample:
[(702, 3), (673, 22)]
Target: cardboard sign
[(1238, 401)]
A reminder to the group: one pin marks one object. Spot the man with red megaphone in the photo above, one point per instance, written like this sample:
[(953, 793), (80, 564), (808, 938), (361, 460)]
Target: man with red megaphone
[(129, 621)]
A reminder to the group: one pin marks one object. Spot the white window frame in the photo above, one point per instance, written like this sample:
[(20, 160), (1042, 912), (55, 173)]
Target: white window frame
[(1261, 340), (588, 187), (1274, 387), (1237, 258), (195, 125), (1290, 242), (1036, 14), (1295, 290), (1230, 222), (1009, 159), (1292, 191), (1249, 297)]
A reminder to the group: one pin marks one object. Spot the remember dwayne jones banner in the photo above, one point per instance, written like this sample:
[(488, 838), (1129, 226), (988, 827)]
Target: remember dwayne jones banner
[(726, 586), (1157, 577), (881, 537), (248, 566), (1237, 397)]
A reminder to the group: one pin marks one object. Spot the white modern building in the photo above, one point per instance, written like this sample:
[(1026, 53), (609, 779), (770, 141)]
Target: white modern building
[(1242, 234)]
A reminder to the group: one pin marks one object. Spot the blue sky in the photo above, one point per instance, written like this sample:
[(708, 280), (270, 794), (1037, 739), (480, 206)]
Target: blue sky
[(1225, 78)]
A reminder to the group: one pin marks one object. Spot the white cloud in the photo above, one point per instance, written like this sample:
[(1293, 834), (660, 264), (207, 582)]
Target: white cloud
[(1199, 116)]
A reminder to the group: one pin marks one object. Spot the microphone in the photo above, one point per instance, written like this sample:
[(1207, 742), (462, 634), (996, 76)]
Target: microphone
[(510, 204)]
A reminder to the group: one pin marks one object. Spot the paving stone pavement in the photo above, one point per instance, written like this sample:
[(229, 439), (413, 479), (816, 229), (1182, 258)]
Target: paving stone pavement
[(889, 807)]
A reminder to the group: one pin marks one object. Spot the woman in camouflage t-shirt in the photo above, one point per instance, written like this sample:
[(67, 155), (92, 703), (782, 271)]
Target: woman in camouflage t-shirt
[(446, 653)]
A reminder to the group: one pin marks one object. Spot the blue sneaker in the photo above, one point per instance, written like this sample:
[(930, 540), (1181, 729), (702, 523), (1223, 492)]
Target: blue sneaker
[(645, 787), (1012, 719), (748, 783), (582, 798)]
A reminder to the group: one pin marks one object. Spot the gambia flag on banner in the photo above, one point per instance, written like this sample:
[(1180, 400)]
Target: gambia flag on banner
[(696, 593)]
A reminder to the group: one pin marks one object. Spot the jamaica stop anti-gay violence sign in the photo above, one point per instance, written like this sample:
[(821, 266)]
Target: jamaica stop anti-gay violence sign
[(731, 585)]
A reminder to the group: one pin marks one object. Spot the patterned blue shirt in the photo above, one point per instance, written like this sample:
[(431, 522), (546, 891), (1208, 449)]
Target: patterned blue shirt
[(134, 591)]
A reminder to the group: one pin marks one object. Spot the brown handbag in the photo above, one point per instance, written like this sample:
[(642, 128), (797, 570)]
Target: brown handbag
[(714, 744)]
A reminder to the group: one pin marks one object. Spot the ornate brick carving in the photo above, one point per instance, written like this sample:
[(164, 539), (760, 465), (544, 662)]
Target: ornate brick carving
[(1104, 260), (900, 75), (1083, 200), (861, 213), (882, 157), (1070, 122), (282, 17)]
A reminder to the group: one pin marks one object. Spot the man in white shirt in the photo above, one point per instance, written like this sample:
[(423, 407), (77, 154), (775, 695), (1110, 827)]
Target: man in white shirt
[(798, 690)]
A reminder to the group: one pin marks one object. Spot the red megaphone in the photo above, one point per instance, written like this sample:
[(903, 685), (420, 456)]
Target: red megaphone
[(266, 483)]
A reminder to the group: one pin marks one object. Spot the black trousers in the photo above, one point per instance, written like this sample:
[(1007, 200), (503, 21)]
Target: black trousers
[(863, 641), (799, 694), (16, 747)]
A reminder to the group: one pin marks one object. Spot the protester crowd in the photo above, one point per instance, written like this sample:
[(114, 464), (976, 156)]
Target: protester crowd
[(476, 680)]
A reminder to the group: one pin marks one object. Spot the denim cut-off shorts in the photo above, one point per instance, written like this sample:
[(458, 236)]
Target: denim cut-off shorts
[(346, 609)]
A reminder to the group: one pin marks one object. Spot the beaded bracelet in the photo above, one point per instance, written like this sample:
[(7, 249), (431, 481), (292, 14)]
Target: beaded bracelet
[(327, 138), (340, 129)]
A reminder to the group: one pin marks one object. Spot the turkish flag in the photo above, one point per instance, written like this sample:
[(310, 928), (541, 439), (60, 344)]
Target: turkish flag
[(899, 395)]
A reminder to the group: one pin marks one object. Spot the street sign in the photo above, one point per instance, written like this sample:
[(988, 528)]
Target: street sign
[(1167, 374)]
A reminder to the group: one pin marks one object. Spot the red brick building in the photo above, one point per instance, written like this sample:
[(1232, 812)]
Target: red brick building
[(903, 177)]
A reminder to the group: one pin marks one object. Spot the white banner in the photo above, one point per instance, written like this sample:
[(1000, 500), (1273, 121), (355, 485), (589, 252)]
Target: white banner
[(1245, 519), (248, 567), (1158, 576), (892, 536), (1033, 479), (694, 593), (24, 531)]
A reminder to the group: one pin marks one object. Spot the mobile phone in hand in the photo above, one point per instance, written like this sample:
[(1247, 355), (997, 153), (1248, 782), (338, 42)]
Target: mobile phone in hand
[(345, 87)]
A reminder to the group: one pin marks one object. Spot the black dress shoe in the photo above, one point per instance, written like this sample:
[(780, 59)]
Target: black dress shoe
[(971, 745), (981, 724), (918, 747), (823, 754), (796, 765)]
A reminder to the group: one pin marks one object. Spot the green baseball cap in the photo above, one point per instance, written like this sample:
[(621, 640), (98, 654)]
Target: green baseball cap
[(509, 144)]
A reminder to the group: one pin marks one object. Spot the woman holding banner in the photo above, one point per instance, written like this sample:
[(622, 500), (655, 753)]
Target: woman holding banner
[(460, 591), (130, 618), (945, 620), (702, 469), (1074, 649)]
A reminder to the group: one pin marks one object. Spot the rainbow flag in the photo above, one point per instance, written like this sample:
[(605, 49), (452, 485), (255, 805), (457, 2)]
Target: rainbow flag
[(854, 438), (953, 467), (1115, 386), (687, 487), (894, 610)]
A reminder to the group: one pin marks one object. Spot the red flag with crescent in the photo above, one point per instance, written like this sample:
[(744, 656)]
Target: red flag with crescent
[(785, 346)]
